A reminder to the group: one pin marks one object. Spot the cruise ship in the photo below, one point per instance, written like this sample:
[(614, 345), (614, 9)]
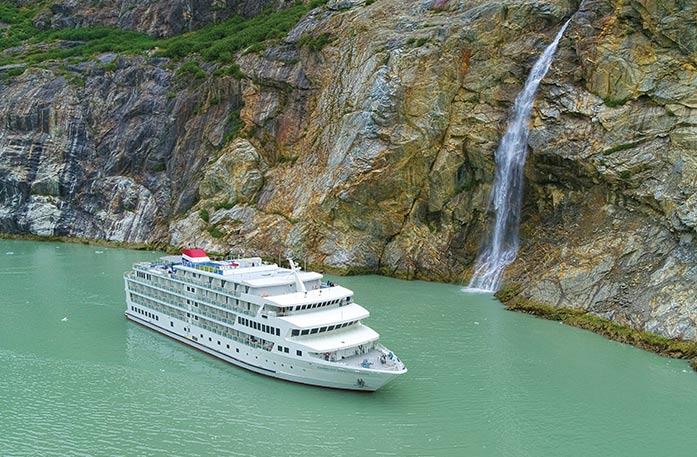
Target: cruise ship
[(281, 322)]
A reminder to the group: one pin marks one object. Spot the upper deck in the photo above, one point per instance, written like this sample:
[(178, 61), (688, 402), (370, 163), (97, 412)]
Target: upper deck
[(279, 291)]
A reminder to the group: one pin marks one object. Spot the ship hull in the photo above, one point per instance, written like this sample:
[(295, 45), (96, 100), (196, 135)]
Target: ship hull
[(265, 362)]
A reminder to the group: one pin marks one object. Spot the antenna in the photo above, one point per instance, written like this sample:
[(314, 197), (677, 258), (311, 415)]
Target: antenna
[(298, 282)]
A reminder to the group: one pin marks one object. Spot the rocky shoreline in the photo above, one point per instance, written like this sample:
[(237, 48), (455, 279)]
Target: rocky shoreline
[(669, 347)]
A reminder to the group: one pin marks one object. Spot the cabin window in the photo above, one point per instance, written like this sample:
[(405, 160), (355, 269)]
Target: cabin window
[(286, 350), (330, 328), (295, 332), (313, 331), (323, 329), (278, 332), (299, 353), (304, 332), (280, 348)]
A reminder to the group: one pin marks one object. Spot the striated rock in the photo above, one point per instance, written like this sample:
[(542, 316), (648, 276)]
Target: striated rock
[(237, 175), (367, 144), (118, 153)]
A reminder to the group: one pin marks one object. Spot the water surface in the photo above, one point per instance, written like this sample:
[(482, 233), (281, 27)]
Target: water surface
[(77, 379)]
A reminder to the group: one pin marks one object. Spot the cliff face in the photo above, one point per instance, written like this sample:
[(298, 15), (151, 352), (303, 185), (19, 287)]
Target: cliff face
[(105, 154), (611, 202), (367, 143)]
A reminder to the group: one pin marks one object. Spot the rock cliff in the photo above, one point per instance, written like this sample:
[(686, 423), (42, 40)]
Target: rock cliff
[(364, 141)]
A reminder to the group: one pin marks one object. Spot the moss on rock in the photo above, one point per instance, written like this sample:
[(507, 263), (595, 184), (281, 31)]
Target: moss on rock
[(669, 347)]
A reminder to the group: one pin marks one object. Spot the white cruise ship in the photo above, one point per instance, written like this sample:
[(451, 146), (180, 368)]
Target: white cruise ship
[(280, 322)]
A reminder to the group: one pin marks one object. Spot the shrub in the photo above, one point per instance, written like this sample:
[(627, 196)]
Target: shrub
[(192, 70), (230, 70), (224, 205), (203, 214), (233, 126), (214, 232), (316, 43)]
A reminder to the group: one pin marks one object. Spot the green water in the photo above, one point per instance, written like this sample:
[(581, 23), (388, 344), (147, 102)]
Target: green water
[(482, 381)]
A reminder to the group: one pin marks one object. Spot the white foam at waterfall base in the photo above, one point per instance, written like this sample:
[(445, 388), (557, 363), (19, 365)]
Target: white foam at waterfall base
[(501, 246)]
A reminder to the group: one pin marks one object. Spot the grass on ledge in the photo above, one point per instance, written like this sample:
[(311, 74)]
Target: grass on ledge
[(216, 43), (675, 348)]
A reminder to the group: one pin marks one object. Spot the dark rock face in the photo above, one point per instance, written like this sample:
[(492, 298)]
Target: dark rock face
[(111, 156), (368, 144)]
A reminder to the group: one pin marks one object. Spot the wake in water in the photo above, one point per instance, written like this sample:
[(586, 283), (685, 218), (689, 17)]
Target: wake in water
[(501, 246)]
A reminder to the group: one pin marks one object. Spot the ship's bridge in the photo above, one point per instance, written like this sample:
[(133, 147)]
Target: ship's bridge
[(348, 313), (321, 295), (340, 339)]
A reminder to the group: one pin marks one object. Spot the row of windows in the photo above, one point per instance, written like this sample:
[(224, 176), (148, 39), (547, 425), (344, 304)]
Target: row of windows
[(209, 325), (218, 283), (209, 311), (140, 274), (257, 326), (168, 310), (298, 352), (312, 331), (145, 313), (317, 305), (170, 298)]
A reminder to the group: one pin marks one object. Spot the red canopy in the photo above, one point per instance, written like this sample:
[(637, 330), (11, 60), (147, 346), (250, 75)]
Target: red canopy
[(194, 253)]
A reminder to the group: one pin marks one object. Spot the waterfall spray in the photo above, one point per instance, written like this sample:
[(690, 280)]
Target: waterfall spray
[(501, 246)]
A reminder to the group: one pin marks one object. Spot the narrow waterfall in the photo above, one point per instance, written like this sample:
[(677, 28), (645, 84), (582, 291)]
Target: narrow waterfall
[(502, 244)]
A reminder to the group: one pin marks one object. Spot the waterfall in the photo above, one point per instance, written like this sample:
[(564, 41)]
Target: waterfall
[(501, 246)]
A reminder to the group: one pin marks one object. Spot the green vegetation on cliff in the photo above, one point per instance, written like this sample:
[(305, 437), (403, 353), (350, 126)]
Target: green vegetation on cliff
[(219, 42), (675, 348), (214, 43), (19, 22)]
